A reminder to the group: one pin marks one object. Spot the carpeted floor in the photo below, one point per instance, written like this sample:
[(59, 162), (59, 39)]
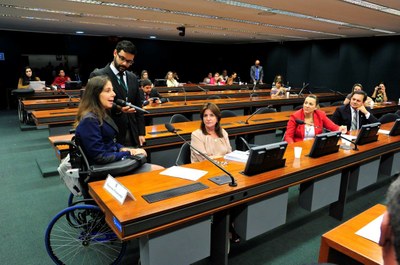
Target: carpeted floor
[(29, 201)]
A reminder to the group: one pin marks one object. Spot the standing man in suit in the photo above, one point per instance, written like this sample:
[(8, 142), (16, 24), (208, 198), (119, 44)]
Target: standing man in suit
[(130, 123), (390, 226), (257, 73), (355, 114)]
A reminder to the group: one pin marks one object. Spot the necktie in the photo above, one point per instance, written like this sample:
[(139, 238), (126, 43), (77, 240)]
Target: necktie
[(257, 73), (354, 121), (147, 96), (122, 82)]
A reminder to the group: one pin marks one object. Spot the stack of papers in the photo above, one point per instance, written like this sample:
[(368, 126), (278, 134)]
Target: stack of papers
[(240, 156)]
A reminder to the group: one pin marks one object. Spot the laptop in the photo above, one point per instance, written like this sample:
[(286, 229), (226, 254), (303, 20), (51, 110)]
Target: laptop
[(37, 85)]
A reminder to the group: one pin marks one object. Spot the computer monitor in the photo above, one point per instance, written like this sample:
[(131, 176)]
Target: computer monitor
[(73, 85), (368, 133), (395, 129), (265, 157), (160, 82), (37, 85), (324, 144)]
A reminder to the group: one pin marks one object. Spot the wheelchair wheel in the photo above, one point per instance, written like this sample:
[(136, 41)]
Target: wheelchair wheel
[(80, 235)]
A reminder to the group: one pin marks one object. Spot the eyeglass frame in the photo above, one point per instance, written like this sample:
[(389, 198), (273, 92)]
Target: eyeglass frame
[(124, 60)]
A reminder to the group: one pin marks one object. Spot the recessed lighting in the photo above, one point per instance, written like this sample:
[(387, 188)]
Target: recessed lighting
[(153, 37), (79, 32)]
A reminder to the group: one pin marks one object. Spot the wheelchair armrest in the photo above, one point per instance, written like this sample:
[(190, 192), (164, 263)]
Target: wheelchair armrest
[(117, 168), (69, 143)]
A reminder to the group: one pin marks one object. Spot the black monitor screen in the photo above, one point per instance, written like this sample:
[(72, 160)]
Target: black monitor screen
[(324, 144), (72, 85), (160, 82), (265, 157), (368, 133), (395, 129)]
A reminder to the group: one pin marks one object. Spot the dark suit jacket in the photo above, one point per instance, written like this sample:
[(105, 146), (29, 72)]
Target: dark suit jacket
[(127, 123), (98, 141), (253, 73), (342, 116), (153, 94)]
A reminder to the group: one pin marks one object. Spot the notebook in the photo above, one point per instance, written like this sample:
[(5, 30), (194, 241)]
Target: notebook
[(37, 85)]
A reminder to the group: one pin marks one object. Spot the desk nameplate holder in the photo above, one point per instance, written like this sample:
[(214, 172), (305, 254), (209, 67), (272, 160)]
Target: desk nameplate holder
[(117, 190)]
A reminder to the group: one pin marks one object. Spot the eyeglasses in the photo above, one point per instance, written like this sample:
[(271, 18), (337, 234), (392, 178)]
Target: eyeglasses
[(124, 60)]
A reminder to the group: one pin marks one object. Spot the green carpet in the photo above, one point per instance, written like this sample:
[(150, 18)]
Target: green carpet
[(29, 201)]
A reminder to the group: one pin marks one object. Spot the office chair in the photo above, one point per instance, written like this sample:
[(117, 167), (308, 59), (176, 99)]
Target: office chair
[(227, 114), (298, 107), (267, 110), (178, 118), (184, 155), (388, 117), (321, 105)]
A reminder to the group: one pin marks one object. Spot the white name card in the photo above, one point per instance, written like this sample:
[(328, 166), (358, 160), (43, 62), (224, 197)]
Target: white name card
[(117, 190)]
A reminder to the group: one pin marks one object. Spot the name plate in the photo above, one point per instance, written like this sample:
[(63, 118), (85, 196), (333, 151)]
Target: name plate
[(117, 190)]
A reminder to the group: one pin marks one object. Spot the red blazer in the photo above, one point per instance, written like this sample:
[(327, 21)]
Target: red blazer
[(295, 132)]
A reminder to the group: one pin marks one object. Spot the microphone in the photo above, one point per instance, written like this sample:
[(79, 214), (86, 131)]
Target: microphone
[(172, 129), (251, 116), (205, 90), (304, 87), (298, 121), (336, 92), (123, 103), (184, 94)]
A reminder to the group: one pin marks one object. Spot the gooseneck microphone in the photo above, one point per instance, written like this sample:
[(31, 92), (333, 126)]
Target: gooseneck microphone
[(123, 103), (205, 90), (298, 121), (251, 116), (184, 94), (172, 129)]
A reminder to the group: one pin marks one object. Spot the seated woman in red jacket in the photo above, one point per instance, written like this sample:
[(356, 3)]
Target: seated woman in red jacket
[(309, 121)]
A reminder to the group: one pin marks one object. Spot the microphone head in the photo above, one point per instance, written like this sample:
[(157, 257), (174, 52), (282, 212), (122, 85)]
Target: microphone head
[(170, 127), (120, 102), (299, 121)]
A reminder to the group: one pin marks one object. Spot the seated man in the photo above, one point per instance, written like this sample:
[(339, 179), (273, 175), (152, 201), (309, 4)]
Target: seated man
[(150, 94), (390, 227), (355, 114)]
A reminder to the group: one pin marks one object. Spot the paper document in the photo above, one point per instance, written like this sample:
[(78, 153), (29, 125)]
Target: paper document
[(349, 137), (240, 156), (372, 231), (384, 131), (184, 173)]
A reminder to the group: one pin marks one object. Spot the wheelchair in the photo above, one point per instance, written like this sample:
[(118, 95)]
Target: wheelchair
[(79, 234)]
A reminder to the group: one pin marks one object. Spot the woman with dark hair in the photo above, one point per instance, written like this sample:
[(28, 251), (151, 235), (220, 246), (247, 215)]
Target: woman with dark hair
[(59, 81), (210, 139), (95, 130), (313, 122), (379, 94), (26, 78), (357, 87)]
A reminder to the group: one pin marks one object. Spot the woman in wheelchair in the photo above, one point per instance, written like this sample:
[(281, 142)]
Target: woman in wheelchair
[(96, 131)]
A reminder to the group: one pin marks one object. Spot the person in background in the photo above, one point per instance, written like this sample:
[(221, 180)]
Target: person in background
[(76, 75), (390, 226), (144, 75), (256, 73), (217, 80), (130, 123), (26, 78), (211, 139), (355, 114), (60, 80), (175, 74), (150, 94), (357, 87), (95, 129), (224, 75), (231, 79), (278, 90), (171, 81), (208, 78), (379, 94), (314, 120), (276, 79)]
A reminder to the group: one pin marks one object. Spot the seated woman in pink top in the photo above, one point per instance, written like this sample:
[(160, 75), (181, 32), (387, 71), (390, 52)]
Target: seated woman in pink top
[(313, 121), (210, 139), (217, 80)]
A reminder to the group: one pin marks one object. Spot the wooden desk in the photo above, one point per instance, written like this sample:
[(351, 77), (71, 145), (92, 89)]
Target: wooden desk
[(180, 96), (46, 117), (202, 87), (139, 218), (343, 239)]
